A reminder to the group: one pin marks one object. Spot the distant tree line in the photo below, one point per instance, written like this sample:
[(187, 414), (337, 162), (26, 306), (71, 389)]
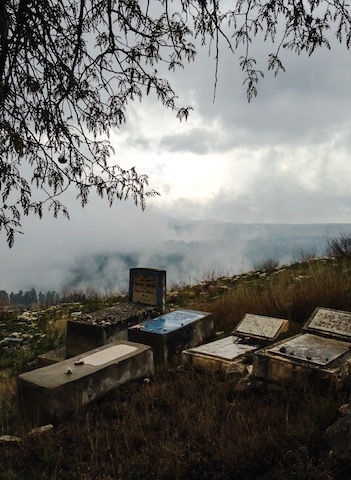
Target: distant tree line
[(28, 298), (43, 299)]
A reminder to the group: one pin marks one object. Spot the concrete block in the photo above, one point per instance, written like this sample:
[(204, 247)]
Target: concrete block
[(104, 326), (53, 356), (47, 393), (171, 333)]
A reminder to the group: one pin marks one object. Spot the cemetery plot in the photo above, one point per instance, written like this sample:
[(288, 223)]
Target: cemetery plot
[(317, 360), (169, 334), (49, 392), (232, 355), (105, 326), (147, 298)]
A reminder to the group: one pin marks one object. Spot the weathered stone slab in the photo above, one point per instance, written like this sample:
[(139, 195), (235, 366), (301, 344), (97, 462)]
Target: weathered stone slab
[(311, 361), (148, 286), (222, 356), (47, 393), (261, 328), (104, 326), (169, 334), (51, 357), (313, 348), (331, 323)]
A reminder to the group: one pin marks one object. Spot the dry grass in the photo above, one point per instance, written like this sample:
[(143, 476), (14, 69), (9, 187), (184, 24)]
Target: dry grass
[(292, 295), (56, 332), (178, 426), (8, 414)]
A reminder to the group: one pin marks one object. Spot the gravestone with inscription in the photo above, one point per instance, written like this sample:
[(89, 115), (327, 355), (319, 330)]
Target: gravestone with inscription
[(148, 286), (317, 360), (147, 296), (169, 334), (233, 354)]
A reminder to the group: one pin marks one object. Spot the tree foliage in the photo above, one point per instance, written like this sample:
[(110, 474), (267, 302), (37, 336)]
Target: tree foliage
[(68, 69)]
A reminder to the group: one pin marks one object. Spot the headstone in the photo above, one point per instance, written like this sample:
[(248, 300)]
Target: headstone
[(261, 328), (169, 334), (232, 355), (317, 360), (48, 393), (148, 286)]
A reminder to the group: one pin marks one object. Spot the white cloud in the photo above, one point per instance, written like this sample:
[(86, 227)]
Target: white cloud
[(282, 158)]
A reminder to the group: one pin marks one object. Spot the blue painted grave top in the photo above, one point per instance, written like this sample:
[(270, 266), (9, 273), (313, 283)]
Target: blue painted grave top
[(170, 321)]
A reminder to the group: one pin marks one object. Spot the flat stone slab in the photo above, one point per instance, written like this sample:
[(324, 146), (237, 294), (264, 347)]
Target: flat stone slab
[(260, 327), (222, 356), (169, 334), (312, 349), (228, 348), (104, 326), (48, 393)]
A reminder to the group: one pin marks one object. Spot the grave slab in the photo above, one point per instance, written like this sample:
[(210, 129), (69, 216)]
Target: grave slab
[(318, 360), (169, 334), (48, 393), (104, 326), (232, 355)]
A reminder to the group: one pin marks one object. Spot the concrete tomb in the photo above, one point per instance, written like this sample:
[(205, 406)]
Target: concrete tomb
[(233, 354), (147, 291), (49, 392), (169, 334), (317, 360)]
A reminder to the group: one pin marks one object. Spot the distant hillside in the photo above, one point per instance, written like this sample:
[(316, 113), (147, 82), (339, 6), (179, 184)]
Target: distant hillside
[(197, 247)]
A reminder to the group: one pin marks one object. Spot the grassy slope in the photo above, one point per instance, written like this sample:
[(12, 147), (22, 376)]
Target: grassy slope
[(182, 425)]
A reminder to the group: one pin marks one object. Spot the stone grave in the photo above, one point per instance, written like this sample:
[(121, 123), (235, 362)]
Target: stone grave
[(233, 355), (47, 393), (169, 334), (147, 295), (317, 360)]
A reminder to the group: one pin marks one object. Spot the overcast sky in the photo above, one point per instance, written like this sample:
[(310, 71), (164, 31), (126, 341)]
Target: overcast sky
[(283, 158)]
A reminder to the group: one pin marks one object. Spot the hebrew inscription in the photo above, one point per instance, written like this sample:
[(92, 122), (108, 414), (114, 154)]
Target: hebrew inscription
[(260, 326), (332, 321), (145, 289)]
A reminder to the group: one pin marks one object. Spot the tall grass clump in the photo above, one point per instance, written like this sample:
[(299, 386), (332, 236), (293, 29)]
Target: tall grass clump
[(8, 413), (340, 247), (293, 295)]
